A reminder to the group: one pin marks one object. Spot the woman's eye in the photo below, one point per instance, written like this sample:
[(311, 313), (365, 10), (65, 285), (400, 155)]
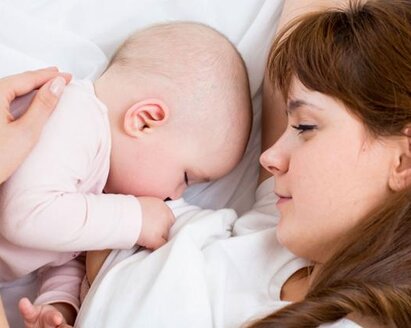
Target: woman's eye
[(301, 128), (186, 178)]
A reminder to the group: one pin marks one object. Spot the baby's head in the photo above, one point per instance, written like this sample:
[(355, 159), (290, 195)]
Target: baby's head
[(179, 108)]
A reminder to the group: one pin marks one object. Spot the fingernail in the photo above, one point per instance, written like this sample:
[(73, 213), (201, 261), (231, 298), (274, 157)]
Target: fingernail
[(57, 86)]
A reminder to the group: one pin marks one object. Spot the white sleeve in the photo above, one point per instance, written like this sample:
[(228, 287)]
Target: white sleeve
[(264, 213)]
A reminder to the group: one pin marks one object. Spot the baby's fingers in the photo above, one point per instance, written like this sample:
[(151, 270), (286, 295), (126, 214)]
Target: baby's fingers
[(52, 319), (158, 243), (29, 312)]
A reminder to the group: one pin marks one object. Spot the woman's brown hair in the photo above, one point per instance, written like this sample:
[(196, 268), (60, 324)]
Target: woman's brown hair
[(360, 55)]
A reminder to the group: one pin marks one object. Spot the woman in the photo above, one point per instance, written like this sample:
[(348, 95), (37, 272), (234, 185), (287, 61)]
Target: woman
[(342, 167), (17, 137)]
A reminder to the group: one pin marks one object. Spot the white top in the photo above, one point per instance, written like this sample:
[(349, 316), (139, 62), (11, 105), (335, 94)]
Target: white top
[(201, 277), (52, 208)]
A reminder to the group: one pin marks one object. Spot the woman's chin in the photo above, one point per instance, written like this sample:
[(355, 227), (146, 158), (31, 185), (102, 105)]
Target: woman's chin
[(287, 238)]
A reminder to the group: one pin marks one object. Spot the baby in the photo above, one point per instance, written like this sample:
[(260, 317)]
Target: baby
[(172, 109)]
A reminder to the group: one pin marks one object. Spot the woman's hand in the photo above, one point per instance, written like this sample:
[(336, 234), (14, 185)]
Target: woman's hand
[(17, 137)]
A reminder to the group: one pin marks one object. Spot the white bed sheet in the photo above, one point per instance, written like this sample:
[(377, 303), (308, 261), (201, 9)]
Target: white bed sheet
[(80, 35)]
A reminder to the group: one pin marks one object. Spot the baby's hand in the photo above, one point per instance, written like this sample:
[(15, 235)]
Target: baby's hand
[(41, 316), (156, 222)]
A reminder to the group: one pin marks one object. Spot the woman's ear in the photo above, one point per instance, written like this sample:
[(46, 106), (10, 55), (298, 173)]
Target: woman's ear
[(401, 175), (144, 116)]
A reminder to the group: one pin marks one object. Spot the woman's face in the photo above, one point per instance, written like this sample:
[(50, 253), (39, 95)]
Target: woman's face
[(329, 173)]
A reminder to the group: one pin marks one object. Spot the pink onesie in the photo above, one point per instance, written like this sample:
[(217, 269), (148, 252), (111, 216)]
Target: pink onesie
[(53, 207)]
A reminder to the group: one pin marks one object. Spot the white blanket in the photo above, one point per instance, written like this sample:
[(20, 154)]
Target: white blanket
[(79, 36), (201, 278), (192, 280)]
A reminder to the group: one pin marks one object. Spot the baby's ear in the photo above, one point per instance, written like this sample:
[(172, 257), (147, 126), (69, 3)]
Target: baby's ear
[(401, 175), (144, 116)]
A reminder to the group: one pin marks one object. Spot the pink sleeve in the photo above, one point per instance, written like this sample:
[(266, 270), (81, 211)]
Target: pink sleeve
[(67, 222), (61, 284)]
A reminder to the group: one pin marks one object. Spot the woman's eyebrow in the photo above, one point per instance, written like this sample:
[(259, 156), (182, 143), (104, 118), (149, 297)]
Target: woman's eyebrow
[(295, 104)]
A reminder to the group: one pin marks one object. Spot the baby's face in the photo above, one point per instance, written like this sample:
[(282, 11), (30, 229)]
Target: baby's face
[(166, 164)]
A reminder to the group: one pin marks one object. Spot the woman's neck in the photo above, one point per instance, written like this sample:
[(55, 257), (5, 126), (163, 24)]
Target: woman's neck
[(296, 286)]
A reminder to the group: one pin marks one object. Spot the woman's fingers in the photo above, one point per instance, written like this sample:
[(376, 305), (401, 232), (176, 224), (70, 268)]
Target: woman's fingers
[(18, 136), (20, 84), (41, 107)]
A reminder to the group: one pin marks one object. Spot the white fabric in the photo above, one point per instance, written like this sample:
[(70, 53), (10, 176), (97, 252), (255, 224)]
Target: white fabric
[(201, 278), (79, 36)]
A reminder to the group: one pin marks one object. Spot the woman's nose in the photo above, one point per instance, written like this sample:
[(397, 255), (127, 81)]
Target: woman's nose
[(274, 160)]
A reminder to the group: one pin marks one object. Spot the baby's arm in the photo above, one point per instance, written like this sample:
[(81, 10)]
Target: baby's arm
[(58, 300), (59, 315), (156, 223), (73, 221), (61, 284)]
